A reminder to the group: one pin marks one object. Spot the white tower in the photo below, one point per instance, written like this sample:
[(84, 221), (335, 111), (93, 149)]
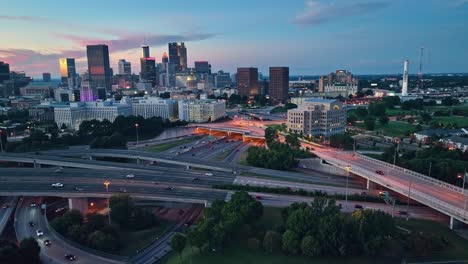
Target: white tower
[(404, 89)]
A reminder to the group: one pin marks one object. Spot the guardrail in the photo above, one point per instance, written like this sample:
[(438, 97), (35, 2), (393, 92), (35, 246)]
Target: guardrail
[(416, 174), (416, 195)]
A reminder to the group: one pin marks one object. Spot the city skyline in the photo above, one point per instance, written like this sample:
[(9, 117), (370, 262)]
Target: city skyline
[(310, 37)]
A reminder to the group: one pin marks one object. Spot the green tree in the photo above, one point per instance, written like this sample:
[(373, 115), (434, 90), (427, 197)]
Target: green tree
[(77, 233), (29, 251), (9, 252), (102, 241), (384, 120), (271, 241), (377, 109), (361, 112), (310, 246), (290, 242), (178, 243), (253, 243), (121, 206), (369, 122), (293, 141), (95, 221), (351, 120)]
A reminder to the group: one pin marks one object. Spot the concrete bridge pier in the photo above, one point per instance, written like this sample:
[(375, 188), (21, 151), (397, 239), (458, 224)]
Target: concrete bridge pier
[(80, 204), (36, 165), (456, 224)]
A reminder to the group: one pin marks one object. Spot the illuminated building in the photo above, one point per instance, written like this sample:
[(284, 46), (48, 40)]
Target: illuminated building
[(98, 66), (67, 69)]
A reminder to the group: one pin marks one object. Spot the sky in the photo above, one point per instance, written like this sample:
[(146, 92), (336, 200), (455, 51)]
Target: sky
[(311, 37)]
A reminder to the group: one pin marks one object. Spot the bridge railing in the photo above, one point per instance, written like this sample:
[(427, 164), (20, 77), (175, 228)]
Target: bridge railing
[(416, 174)]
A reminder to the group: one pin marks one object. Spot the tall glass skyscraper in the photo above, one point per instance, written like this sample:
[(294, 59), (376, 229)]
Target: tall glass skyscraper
[(98, 66), (178, 56), (67, 69)]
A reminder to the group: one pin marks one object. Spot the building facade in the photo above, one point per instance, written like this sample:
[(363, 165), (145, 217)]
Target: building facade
[(46, 77), (279, 83), (98, 66), (339, 77), (199, 111), (4, 72), (178, 56), (247, 81), (222, 79), (125, 67), (155, 107), (318, 117), (74, 114), (67, 69)]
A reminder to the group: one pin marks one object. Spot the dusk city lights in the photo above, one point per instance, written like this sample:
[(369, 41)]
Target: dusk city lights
[(256, 132)]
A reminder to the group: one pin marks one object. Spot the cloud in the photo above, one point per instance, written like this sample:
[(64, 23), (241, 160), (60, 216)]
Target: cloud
[(319, 13), (25, 18)]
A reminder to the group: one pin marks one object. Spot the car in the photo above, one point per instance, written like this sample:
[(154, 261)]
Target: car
[(258, 197), (169, 188), (130, 176), (39, 233), (70, 257), (57, 185), (33, 204), (379, 172), (5, 206), (358, 206), (31, 224), (195, 179), (47, 243), (78, 189), (58, 170), (209, 174), (58, 210), (123, 190), (402, 212)]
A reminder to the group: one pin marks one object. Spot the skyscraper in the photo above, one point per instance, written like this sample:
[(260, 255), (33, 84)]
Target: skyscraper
[(178, 56), (67, 69), (125, 67), (247, 81), (4, 72), (165, 58), (279, 83), (148, 67), (404, 89), (202, 67), (98, 66), (46, 77)]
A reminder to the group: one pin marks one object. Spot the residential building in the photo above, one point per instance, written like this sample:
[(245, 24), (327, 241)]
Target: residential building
[(125, 67), (155, 107), (426, 136), (199, 111), (318, 117), (74, 114), (37, 90), (46, 77), (98, 66), (247, 81), (279, 83)]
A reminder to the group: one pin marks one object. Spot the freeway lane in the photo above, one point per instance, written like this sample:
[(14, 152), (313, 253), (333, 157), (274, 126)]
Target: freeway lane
[(440, 198), (5, 213), (55, 253)]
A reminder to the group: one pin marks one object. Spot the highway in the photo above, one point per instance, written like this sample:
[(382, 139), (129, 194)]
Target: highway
[(8, 205), (55, 253)]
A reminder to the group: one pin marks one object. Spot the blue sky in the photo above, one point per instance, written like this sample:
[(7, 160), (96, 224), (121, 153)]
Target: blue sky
[(311, 37)]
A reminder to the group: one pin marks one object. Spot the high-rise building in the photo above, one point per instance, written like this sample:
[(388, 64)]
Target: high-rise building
[(222, 79), (178, 56), (125, 67), (317, 117), (202, 67), (46, 77), (4, 72), (67, 69), (404, 89), (98, 66), (279, 83), (247, 81), (165, 58), (148, 67)]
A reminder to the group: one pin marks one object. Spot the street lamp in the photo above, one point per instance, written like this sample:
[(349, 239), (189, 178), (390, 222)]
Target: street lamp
[(136, 128), (106, 183), (348, 169)]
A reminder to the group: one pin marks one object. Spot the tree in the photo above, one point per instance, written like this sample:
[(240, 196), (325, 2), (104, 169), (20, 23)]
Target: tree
[(121, 206), (271, 241), (293, 141), (384, 120), (9, 252), (95, 221), (77, 233), (270, 134), (165, 95), (351, 120), (29, 251), (370, 123), (102, 241), (178, 243), (253, 243), (377, 109), (291, 242), (361, 112), (310, 246)]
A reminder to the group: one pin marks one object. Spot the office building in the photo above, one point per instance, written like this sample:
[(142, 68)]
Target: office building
[(155, 107), (125, 67), (148, 67), (42, 113), (344, 89), (202, 67), (338, 77), (146, 52), (199, 111), (87, 92), (247, 81), (46, 77), (67, 69), (279, 83), (317, 117), (38, 90), (65, 94), (165, 58), (4, 72), (98, 66), (178, 56), (74, 114), (222, 79)]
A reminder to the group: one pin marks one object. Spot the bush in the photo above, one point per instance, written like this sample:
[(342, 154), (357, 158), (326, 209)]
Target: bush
[(272, 242), (253, 243)]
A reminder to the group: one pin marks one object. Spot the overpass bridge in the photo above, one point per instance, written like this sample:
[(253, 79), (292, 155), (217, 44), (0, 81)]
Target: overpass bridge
[(441, 196), (227, 130)]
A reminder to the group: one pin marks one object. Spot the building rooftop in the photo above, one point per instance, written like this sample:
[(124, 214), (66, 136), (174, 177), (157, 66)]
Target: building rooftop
[(457, 139), (320, 100), (440, 132)]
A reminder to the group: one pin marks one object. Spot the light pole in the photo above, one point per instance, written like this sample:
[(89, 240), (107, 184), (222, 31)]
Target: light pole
[(348, 169), (106, 183), (136, 129), (394, 155)]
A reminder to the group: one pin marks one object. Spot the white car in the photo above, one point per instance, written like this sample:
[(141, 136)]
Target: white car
[(59, 170), (130, 176), (208, 174), (39, 233), (57, 185)]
